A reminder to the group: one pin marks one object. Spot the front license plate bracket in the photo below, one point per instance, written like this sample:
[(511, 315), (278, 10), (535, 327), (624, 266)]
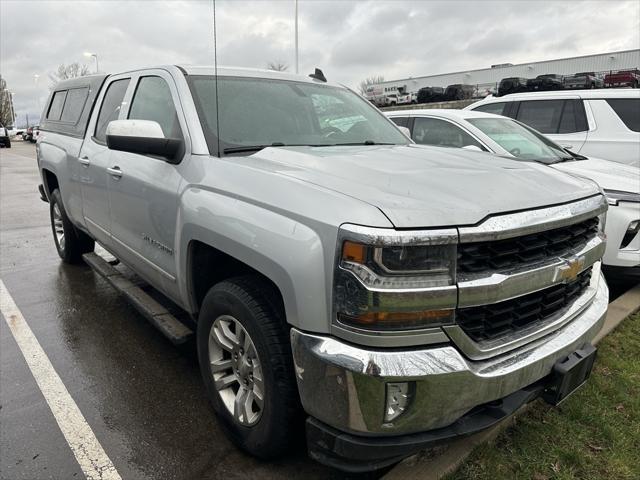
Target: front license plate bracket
[(569, 374)]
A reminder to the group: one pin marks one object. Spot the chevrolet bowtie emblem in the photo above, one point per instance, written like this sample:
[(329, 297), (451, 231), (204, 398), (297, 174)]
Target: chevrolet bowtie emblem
[(570, 270)]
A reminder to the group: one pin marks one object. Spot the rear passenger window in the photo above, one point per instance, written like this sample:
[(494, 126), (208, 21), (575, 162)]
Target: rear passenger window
[(110, 108), (628, 110), (495, 108), (554, 116), (152, 101), (57, 102), (543, 115), (76, 98), (400, 121)]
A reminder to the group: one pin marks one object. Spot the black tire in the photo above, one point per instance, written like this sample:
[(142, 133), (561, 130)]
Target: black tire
[(8, 143), (255, 304), (76, 243)]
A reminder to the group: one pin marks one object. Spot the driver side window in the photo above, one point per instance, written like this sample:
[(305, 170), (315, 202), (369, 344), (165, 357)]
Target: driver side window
[(152, 100), (440, 133), (110, 108)]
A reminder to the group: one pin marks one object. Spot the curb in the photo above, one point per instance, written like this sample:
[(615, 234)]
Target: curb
[(422, 466)]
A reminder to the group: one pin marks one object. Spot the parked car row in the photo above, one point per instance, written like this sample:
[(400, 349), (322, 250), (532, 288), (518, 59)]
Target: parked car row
[(583, 80)]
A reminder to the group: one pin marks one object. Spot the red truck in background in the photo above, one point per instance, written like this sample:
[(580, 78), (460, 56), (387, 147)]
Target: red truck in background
[(623, 78)]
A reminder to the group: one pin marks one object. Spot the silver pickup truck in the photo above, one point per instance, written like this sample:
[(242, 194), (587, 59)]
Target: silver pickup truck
[(386, 296)]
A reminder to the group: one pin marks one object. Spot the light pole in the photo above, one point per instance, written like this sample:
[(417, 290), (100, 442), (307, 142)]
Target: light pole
[(36, 77), (13, 110), (95, 56), (297, 36)]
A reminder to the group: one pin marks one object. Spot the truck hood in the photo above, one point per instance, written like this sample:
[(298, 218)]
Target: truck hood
[(609, 175), (417, 186)]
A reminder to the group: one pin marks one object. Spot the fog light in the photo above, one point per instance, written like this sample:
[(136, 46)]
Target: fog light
[(398, 397), (632, 231)]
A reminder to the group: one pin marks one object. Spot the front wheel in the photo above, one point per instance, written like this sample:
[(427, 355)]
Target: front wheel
[(70, 242), (245, 361)]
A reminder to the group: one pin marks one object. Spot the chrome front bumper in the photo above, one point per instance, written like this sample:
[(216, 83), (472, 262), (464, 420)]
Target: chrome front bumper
[(344, 386)]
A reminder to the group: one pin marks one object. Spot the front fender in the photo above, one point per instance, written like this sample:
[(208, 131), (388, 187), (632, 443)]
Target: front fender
[(289, 253)]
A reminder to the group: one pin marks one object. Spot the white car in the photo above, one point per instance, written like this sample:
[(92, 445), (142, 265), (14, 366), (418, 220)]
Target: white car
[(407, 98), (599, 123), (503, 136)]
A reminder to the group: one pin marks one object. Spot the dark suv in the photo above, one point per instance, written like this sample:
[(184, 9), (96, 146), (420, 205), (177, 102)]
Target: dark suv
[(459, 91), (512, 85), (546, 82), (430, 94), (5, 140)]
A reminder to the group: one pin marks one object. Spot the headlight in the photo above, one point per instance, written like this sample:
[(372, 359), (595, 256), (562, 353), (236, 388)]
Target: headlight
[(615, 196), (395, 281)]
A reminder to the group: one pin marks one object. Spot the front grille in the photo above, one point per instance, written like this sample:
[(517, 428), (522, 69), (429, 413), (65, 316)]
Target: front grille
[(491, 321), (515, 252)]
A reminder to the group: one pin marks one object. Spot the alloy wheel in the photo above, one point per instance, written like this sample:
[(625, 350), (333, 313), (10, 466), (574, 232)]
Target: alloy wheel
[(236, 370)]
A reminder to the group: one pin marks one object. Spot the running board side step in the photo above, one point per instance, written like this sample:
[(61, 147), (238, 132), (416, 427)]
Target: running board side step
[(160, 317)]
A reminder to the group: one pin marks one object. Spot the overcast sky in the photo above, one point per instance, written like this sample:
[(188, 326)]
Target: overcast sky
[(348, 40)]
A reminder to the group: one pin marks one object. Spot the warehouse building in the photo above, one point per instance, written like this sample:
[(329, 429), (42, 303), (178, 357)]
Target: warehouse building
[(488, 78)]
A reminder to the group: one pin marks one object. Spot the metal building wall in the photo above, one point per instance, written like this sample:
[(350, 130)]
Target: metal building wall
[(565, 66)]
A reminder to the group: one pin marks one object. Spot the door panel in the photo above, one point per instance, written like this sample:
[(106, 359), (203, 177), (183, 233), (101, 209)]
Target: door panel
[(94, 160), (143, 196), (144, 206)]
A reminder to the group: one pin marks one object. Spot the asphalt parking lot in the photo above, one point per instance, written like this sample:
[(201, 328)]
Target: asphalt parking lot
[(141, 396)]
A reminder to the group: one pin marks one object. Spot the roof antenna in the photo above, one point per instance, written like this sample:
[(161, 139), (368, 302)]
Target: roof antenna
[(215, 69), (318, 75)]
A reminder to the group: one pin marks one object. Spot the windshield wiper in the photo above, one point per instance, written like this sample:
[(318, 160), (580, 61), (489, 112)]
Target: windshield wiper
[(350, 144), (251, 148), (561, 160)]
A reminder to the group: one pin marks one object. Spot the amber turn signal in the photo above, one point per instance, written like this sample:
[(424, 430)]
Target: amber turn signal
[(354, 252)]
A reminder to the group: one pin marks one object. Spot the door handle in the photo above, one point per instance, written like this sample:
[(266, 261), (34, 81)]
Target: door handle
[(84, 160), (115, 172)]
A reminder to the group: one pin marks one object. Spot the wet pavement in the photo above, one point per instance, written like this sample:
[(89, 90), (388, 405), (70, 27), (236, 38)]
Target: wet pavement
[(142, 397)]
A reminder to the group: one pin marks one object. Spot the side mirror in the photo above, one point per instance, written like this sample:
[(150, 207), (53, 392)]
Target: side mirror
[(406, 131), (144, 137), (473, 148)]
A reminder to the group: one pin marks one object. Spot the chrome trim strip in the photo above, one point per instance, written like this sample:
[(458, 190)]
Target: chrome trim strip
[(504, 286), (388, 236), (511, 225), (389, 339), (497, 346), (145, 260)]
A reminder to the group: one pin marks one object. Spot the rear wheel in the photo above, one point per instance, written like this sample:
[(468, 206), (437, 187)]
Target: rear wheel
[(245, 360), (70, 242)]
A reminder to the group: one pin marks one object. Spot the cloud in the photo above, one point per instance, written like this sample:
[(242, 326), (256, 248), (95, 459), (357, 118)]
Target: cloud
[(349, 40)]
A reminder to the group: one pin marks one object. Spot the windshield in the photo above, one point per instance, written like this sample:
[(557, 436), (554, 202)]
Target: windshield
[(519, 140), (254, 112)]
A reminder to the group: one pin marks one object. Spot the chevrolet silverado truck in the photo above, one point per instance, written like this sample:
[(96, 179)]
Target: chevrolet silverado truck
[(384, 295)]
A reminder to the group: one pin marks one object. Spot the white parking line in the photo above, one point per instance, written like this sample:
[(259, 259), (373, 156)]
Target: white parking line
[(92, 459)]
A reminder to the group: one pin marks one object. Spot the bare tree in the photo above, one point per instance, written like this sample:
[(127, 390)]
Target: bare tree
[(278, 66), (6, 109), (65, 72), (370, 81)]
